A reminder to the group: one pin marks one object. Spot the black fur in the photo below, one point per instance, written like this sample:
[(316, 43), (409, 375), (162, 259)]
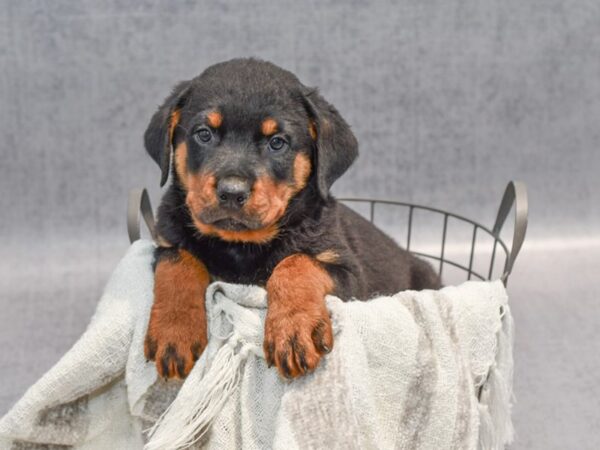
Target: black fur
[(247, 90), (157, 139)]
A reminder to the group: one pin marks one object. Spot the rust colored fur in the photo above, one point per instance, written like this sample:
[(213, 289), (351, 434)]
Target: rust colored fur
[(269, 127), (297, 328), (173, 122), (214, 119), (181, 163), (328, 256), (254, 236), (312, 130), (200, 192), (177, 330), (270, 199)]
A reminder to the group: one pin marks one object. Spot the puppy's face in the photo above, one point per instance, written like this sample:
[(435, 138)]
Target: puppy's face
[(247, 137), (241, 162)]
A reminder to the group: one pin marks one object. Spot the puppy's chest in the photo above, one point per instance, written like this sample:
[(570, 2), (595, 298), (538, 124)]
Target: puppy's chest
[(235, 265)]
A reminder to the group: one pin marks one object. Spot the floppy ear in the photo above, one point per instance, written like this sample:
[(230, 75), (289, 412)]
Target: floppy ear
[(336, 145), (158, 137)]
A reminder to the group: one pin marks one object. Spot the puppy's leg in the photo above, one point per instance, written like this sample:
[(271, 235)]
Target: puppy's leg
[(297, 327), (177, 330)]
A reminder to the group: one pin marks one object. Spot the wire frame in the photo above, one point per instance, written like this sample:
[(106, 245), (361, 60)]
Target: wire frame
[(515, 193), (440, 258)]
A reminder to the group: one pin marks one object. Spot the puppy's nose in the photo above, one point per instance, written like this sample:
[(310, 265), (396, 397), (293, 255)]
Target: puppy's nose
[(233, 192)]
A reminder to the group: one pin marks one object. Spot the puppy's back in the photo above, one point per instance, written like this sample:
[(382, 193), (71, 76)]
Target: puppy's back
[(386, 267)]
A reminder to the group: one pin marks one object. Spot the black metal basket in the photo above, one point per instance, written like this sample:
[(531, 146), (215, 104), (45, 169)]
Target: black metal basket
[(515, 194)]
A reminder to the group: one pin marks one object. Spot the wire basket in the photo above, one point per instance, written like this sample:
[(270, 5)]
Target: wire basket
[(515, 194)]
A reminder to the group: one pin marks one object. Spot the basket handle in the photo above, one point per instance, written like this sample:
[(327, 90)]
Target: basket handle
[(138, 205), (515, 193)]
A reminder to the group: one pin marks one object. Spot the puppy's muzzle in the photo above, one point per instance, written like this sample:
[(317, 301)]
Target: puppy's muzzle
[(233, 192)]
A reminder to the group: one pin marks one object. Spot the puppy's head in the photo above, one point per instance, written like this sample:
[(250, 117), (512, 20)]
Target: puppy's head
[(245, 137)]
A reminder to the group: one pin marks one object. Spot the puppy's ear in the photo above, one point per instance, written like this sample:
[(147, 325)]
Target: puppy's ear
[(335, 143), (158, 137)]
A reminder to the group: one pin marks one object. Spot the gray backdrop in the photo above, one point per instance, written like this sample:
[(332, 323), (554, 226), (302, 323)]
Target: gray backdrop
[(449, 99)]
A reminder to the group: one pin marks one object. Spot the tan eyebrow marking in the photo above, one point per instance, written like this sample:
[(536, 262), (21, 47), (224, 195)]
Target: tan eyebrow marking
[(214, 119), (268, 127)]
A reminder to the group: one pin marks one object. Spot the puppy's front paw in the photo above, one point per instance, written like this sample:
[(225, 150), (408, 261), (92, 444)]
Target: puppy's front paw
[(176, 334), (297, 327), (296, 339), (175, 347)]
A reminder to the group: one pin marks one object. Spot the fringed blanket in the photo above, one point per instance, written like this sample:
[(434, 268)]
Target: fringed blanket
[(417, 370)]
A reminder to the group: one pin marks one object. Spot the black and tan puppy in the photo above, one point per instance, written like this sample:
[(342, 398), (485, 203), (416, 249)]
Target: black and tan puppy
[(254, 154)]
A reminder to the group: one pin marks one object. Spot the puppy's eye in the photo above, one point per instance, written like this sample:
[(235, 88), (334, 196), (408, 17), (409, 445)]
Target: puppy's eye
[(203, 135), (277, 144)]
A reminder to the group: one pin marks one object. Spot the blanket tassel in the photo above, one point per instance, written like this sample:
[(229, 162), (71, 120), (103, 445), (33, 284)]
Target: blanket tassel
[(187, 419)]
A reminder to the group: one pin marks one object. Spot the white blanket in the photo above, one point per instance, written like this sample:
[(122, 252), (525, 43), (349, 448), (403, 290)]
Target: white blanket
[(418, 370)]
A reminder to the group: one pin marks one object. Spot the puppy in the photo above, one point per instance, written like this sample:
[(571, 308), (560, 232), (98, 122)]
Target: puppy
[(254, 153)]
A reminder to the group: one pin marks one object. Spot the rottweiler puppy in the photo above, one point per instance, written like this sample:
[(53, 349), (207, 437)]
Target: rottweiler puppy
[(254, 153)]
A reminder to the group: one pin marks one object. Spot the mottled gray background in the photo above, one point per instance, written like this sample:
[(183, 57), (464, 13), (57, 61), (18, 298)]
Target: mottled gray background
[(450, 99)]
